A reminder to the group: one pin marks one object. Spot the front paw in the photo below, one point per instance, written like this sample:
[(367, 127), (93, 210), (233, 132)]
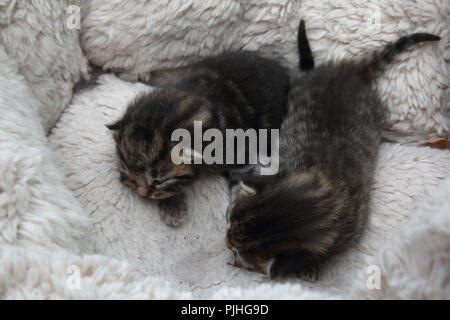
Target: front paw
[(173, 213), (303, 266)]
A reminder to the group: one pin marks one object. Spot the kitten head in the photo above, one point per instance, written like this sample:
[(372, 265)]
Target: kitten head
[(285, 229), (144, 146), (146, 167), (249, 253), (252, 259)]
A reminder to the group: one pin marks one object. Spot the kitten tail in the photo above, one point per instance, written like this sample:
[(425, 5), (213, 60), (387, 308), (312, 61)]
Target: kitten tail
[(304, 50), (379, 59)]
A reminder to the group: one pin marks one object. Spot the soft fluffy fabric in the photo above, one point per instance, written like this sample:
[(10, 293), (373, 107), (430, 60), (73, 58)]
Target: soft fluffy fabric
[(36, 274), (50, 224), (36, 36), (411, 259), (36, 208), (194, 257), (43, 229), (137, 37)]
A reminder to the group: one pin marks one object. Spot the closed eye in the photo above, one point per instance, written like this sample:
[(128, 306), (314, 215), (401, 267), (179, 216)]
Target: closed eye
[(166, 182), (184, 177), (172, 180)]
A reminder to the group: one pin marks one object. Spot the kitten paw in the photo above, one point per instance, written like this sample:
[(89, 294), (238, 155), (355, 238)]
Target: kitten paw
[(303, 267), (173, 215), (309, 274), (306, 274)]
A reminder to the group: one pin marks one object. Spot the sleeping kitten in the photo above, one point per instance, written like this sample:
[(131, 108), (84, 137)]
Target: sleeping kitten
[(229, 91), (291, 223)]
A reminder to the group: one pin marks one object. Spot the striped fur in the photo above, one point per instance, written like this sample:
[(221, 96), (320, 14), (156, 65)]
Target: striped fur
[(318, 204), (229, 91)]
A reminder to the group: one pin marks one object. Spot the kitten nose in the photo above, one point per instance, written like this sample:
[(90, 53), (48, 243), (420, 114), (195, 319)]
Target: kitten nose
[(141, 191), (144, 191)]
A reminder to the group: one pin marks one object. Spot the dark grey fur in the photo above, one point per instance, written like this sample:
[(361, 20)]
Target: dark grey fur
[(229, 91), (318, 204)]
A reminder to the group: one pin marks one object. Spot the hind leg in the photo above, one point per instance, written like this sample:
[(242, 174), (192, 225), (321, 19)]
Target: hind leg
[(163, 78)]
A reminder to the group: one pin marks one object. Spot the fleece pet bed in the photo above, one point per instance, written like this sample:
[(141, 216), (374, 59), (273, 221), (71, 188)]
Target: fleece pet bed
[(69, 229)]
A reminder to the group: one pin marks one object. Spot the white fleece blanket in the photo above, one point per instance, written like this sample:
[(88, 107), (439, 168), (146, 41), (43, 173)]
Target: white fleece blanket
[(194, 257), (135, 37), (69, 229)]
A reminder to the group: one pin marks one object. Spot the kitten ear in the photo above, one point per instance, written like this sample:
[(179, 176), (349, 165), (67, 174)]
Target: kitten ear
[(114, 126), (245, 191), (257, 183)]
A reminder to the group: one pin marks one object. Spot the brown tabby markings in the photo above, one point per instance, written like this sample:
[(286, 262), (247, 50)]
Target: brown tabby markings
[(318, 204), (229, 91)]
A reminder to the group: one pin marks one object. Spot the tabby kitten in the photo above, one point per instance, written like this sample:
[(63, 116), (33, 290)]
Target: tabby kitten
[(228, 91), (318, 203)]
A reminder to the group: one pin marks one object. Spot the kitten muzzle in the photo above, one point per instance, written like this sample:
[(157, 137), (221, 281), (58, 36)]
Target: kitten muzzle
[(151, 193), (261, 266)]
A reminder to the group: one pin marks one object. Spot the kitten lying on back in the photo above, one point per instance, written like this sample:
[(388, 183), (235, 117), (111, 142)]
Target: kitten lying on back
[(318, 203), (229, 91)]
